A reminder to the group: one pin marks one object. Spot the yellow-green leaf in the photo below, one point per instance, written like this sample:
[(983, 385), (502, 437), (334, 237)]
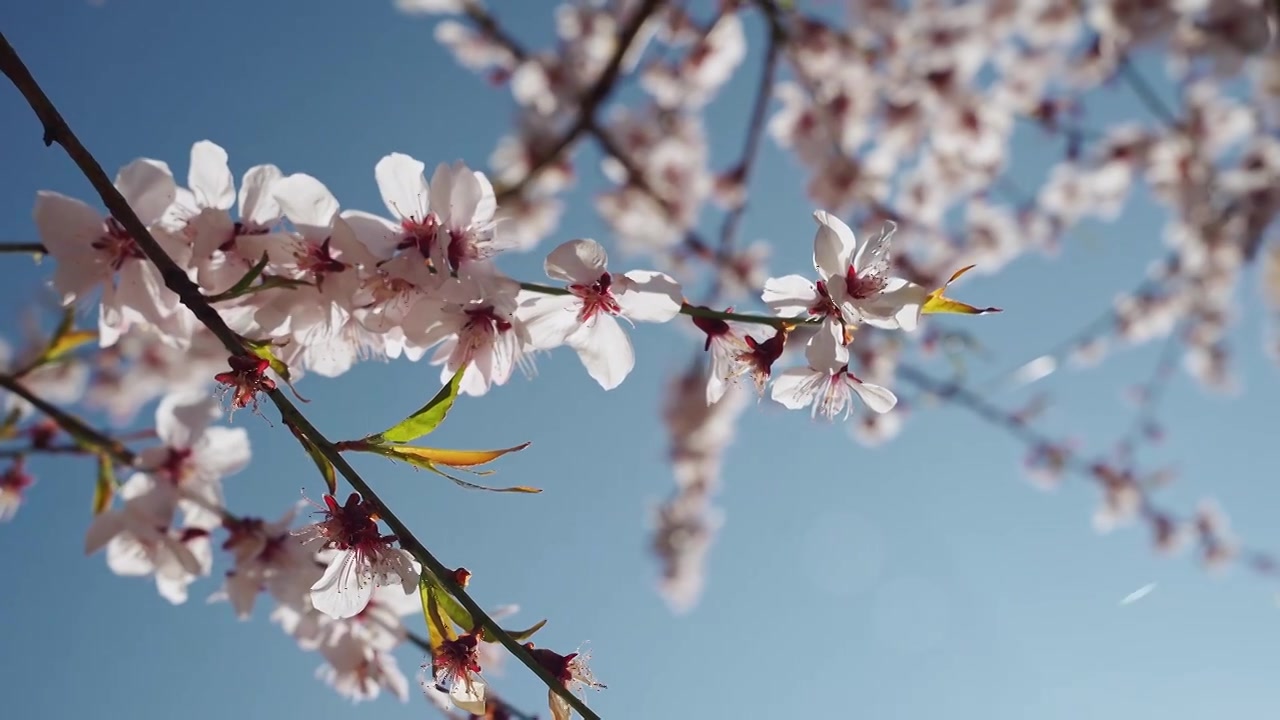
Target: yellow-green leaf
[(105, 488), (522, 635), (322, 463), (452, 608), (66, 342), (9, 426), (451, 458), (242, 285), (426, 418), (438, 630), (937, 302)]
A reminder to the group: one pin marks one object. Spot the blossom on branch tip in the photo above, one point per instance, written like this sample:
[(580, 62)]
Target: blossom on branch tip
[(585, 319), (571, 670), (456, 670)]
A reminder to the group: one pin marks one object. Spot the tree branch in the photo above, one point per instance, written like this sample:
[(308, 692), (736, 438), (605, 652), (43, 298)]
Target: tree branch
[(57, 130)]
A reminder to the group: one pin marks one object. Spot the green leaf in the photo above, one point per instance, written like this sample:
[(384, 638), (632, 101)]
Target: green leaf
[(521, 635), (105, 487), (452, 608), (317, 457), (437, 629), (242, 285), (426, 419)]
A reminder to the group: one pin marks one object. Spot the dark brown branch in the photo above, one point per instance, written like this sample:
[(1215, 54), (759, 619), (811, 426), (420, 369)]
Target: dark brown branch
[(57, 130)]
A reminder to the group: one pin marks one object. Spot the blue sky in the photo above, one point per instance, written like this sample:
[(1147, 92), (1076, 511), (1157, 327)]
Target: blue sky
[(922, 579)]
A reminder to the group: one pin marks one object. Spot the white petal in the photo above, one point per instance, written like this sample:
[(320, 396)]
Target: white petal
[(577, 261), (403, 186), (833, 245), (648, 296), (183, 416), (874, 255), (826, 350), (379, 235), (550, 319), (67, 228), (209, 177), (468, 695), (605, 351), (257, 203), (790, 295), (344, 589), (488, 203), (464, 196), (878, 399), (796, 387), (149, 187), (306, 202), (441, 191), (223, 451), (103, 528)]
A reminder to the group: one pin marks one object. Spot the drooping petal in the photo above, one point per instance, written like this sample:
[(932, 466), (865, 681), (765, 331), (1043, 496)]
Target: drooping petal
[(833, 245), (403, 186), (648, 296), (796, 387), (577, 261), (826, 350), (878, 399), (344, 589), (258, 204), (790, 295), (149, 187), (605, 351), (307, 203), (209, 177), (468, 695)]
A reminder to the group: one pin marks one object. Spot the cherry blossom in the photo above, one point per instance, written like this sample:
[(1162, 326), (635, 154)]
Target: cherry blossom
[(364, 558), (584, 319)]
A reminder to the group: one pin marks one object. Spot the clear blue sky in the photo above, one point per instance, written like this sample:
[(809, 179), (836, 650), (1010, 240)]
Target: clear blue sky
[(924, 579)]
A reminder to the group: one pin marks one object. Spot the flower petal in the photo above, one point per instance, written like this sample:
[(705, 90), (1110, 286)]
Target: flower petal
[(149, 187), (647, 296), (307, 203), (258, 205), (873, 257), (826, 350), (605, 351), (209, 177), (468, 695), (878, 399), (790, 295), (833, 246), (577, 261), (403, 186), (344, 589), (550, 319), (796, 387)]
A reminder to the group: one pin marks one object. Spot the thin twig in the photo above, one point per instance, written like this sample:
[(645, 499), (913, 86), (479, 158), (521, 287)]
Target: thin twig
[(590, 101), (71, 424), (176, 279), (28, 248)]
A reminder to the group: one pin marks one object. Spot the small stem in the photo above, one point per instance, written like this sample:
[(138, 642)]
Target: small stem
[(590, 101), (697, 311), (68, 422)]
